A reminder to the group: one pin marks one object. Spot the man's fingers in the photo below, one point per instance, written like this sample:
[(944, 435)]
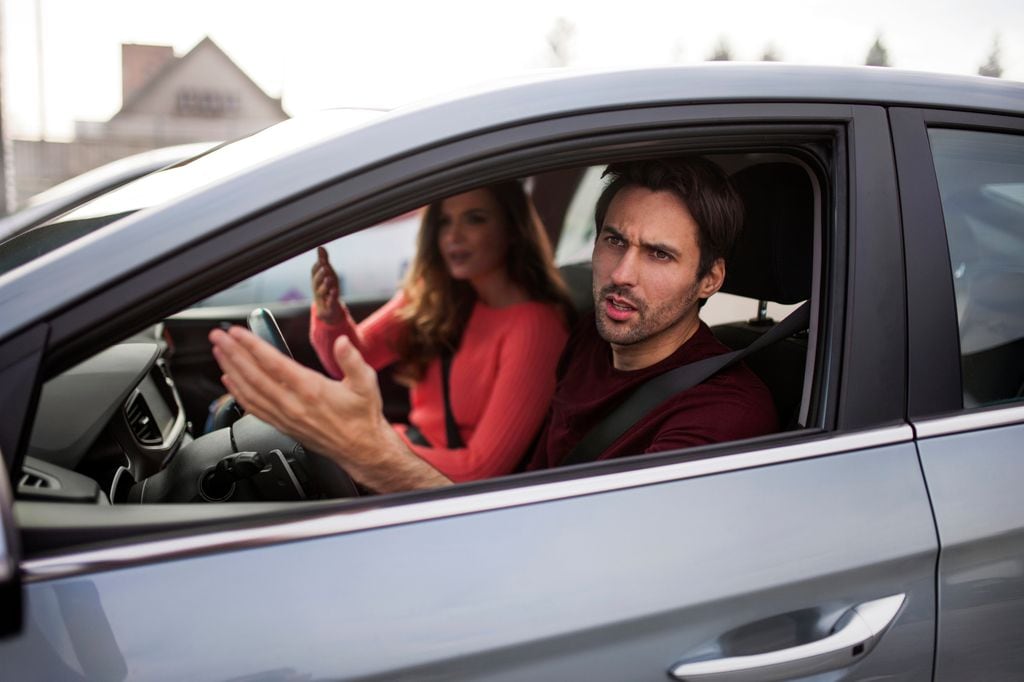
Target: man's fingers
[(272, 361), (237, 380), (250, 401), (266, 383)]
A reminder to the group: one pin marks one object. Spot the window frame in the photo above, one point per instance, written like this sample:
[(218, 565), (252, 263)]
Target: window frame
[(934, 382)]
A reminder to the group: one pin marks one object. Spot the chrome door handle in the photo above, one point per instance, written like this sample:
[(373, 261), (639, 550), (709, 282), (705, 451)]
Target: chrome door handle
[(854, 636)]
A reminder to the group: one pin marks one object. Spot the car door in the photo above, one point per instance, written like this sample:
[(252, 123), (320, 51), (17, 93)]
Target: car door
[(965, 228), (804, 553)]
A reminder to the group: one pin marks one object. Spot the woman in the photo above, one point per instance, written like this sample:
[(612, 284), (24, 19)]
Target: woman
[(482, 289)]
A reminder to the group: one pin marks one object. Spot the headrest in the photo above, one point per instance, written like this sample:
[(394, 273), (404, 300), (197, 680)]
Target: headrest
[(773, 257)]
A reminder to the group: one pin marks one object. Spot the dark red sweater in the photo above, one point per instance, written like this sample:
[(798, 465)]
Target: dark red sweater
[(731, 405)]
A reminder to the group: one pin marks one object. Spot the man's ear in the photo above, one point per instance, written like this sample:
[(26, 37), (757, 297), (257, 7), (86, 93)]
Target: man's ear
[(713, 281)]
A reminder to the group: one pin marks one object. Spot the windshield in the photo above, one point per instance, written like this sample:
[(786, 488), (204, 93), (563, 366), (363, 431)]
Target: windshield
[(177, 181)]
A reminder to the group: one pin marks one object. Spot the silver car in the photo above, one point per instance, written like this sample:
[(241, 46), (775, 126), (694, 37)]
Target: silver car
[(879, 535)]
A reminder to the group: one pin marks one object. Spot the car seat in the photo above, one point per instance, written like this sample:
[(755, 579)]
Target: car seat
[(772, 261)]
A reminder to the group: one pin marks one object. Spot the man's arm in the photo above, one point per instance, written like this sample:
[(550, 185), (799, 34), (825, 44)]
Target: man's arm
[(342, 420)]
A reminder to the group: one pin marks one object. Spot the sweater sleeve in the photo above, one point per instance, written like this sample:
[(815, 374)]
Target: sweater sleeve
[(519, 400), (375, 336)]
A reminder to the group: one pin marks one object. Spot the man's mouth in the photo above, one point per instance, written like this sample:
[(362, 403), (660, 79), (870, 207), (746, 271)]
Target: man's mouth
[(618, 308)]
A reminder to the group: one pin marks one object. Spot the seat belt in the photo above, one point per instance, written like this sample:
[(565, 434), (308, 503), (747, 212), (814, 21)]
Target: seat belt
[(452, 436), (646, 397), (451, 428)]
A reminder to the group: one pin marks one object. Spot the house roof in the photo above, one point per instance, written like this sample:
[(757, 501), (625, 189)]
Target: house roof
[(177, 63)]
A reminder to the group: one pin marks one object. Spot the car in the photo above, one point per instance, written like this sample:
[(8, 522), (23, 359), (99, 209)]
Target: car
[(880, 533), (66, 195)]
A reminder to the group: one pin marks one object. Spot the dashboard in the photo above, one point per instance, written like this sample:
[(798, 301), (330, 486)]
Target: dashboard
[(103, 425)]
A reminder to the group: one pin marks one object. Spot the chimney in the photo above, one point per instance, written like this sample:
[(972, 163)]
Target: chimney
[(139, 63)]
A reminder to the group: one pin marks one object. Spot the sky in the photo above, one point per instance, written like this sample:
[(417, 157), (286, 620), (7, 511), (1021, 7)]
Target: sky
[(328, 53)]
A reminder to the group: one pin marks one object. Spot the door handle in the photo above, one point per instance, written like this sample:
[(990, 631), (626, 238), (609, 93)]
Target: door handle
[(854, 636)]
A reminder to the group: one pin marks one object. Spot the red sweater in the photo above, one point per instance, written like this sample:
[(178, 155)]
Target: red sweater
[(731, 405), (501, 383)]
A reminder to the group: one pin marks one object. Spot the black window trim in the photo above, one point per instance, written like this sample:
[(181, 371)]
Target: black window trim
[(934, 387)]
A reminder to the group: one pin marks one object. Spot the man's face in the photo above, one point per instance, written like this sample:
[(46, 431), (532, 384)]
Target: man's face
[(645, 261)]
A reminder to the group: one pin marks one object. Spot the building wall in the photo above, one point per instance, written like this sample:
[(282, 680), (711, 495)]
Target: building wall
[(40, 165), (201, 97)]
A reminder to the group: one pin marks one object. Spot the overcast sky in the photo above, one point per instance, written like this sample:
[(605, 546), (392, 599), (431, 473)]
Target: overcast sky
[(322, 53)]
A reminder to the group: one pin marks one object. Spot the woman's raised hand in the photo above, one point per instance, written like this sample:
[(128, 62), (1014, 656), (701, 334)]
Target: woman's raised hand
[(326, 289)]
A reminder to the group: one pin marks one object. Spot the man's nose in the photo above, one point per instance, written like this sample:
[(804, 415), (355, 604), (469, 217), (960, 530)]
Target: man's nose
[(625, 272)]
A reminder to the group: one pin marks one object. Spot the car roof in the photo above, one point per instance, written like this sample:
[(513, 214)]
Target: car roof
[(326, 154)]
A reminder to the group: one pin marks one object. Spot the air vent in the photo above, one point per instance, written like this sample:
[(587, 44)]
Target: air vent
[(30, 479), (141, 422)]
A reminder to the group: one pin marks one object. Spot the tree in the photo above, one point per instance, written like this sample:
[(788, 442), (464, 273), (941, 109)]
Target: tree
[(771, 54), (560, 41), (722, 51), (992, 68), (878, 55)]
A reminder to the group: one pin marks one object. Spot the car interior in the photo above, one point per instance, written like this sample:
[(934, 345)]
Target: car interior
[(126, 425)]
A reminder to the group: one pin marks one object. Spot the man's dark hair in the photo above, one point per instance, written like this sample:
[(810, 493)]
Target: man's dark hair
[(700, 184)]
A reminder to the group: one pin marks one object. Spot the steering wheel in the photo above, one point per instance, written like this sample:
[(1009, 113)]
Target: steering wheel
[(247, 460), (262, 324), (330, 477)]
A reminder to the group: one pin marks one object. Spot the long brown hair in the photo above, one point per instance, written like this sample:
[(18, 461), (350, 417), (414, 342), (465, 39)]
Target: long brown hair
[(437, 306)]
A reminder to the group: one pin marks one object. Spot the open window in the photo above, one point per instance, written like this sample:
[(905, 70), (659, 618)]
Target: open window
[(109, 423)]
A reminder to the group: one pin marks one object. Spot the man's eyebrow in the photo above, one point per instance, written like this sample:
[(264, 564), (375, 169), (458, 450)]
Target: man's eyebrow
[(610, 230), (650, 246)]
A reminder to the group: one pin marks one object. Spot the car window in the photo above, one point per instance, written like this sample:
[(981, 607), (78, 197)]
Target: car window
[(370, 266), (156, 402), (981, 183)]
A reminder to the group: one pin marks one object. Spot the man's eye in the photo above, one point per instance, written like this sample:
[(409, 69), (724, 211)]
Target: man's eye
[(612, 240), (661, 255)]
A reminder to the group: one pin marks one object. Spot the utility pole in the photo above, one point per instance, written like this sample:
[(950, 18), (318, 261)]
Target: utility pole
[(6, 159), (39, 69)]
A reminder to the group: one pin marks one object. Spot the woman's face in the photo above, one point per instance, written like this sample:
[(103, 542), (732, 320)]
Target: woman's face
[(473, 235)]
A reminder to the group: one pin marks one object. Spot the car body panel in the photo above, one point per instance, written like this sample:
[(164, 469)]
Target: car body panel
[(974, 482), (970, 457), (565, 589), (613, 570)]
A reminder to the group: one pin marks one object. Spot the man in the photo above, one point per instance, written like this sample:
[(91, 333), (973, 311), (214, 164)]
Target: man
[(664, 230)]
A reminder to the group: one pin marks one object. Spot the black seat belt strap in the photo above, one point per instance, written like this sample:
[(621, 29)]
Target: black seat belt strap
[(454, 438), (658, 389)]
